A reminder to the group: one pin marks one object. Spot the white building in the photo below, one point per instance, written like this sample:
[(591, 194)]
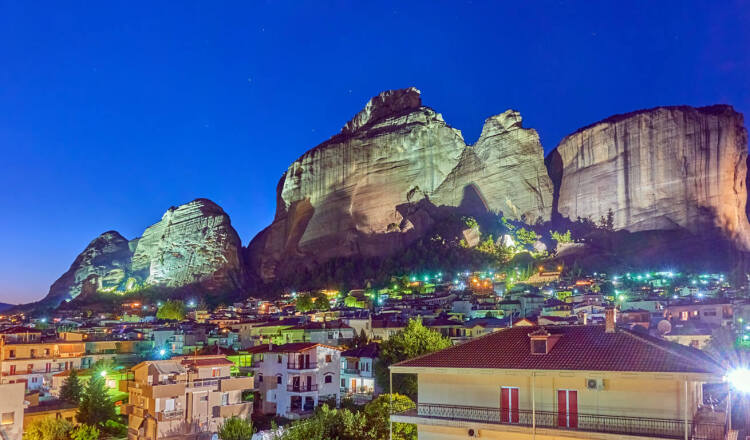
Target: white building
[(293, 379), (357, 376)]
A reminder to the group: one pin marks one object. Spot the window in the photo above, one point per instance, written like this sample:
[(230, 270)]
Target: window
[(204, 398), (260, 378), (215, 372), (683, 316), (328, 358), (12, 370), (33, 353), (278, 358), (711, 313), (343, 383), (278, 379), (12, 354), (7, 418), (169, 405), (539, 346), (46, 352), (34, 379), (225, 399), (29, 368), (47, 367), (328, 378)]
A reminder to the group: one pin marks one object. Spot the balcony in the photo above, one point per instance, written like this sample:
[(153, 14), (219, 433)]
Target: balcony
[(169, 415), (429, 413), (353, 371), (236, 383), (238, 409), (301, 366), (302, 388)]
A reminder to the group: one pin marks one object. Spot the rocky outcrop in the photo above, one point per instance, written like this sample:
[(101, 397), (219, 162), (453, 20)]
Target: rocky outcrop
[(357, 193), (659, 169), (193, 244), (103, 263)]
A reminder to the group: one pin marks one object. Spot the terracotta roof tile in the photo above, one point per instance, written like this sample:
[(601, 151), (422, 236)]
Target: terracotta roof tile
[(579, 348)]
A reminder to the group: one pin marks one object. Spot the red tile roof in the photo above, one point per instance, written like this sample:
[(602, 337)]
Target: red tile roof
[(203, 361), (580, 347), (293, 347)]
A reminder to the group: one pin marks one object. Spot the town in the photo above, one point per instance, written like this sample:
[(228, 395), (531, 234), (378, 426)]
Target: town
[(179, 369)]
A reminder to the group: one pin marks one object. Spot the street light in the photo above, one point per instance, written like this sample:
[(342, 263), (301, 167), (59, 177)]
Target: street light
[(162, 352), (739, 378), (103, 374)]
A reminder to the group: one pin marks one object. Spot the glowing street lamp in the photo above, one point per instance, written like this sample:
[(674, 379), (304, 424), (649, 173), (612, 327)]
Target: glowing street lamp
[(162, 352), (103, 374), (739, 379)]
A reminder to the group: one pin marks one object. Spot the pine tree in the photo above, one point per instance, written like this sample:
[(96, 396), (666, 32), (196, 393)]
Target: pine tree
[(96, 407), (71, 388)]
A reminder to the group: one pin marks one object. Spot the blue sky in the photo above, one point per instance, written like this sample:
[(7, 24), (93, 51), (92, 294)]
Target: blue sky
[(110, 112)]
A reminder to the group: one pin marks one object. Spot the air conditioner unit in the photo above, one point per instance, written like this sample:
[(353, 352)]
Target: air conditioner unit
[(472, 432), (595, 384)]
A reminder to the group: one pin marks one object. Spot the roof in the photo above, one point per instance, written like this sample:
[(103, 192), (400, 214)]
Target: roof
[(368, 351), (293, 347), (19, 329), (206, 362), (329, 325), (580, 347)]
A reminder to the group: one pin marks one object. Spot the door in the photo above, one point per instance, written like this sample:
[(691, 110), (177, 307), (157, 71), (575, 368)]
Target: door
[(307, 361), (354, 386), (567, 408), (295, 383), (309, 383), (509, 405)]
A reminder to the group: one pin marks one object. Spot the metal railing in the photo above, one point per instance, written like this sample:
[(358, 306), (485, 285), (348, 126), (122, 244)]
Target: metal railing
[(301, 366), (166, 415), (650, 427), (302, 388), (351, 370)]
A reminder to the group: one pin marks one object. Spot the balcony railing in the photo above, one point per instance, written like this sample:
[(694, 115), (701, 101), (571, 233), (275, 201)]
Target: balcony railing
[(170, 415), (649, 427), (301, 366), (351, 371), (302, 388)]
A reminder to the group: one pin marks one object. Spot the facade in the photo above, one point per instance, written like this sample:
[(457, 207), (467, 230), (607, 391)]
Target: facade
[(713, 313), (572, 382), (292, 379), (27, 358), (357, 375), (185, 397), (11, 411)]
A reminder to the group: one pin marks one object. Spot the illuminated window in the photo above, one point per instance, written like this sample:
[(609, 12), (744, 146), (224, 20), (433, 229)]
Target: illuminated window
[(683, 316), (328, 358), (7, 418)]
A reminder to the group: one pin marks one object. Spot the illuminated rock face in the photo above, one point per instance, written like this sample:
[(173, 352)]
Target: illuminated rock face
[(193, 244), (664, 168), (358, 193), (105, 257)]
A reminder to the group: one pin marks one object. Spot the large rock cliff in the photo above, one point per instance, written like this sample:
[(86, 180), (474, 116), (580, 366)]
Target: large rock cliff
[(357, 193), (193, 244), (658, 169)]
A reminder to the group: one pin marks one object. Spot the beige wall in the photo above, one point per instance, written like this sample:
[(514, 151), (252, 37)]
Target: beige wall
[(12, 403), (637, 395)]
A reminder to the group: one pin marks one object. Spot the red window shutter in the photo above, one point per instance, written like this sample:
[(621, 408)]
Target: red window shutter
[(562, 408), (505, 411), (514, 405), (573, 408)]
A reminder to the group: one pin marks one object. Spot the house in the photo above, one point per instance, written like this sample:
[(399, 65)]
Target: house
[(357, 370), (572, 382), (632, 317), (325, 332), (11, 411), (26, 357), (715, 313), (292, 379), (185, 397)]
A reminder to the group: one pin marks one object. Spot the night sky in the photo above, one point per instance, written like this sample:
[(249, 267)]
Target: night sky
[(111, 112)]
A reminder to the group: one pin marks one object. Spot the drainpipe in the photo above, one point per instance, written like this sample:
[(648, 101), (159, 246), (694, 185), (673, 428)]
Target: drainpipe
[(687, 430), (533, 405), (390, 404)]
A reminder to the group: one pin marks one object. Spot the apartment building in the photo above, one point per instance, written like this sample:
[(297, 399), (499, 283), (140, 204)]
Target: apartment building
[(25, 357), (185, 397), (713, 312), (572, 382), (11, 411), (292, 379)]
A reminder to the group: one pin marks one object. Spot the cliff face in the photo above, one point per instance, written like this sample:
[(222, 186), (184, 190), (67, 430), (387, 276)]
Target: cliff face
[(357, 193), (664, 168), (192, 244)]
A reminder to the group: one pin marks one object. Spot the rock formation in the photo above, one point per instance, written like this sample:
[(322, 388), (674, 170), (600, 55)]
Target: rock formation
[(193, 244), (357, 193), (658, 169)]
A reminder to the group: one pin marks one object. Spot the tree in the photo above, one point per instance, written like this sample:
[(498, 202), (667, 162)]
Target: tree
[(327, 424), (322, 302), (48, 428), (561, 238), (85, 432), (378, 412), (173, 310), (106, 365), (414, 340), (96, 407), (360, 340), (236, 428), (304, 303), (525, 237), (70, 391)]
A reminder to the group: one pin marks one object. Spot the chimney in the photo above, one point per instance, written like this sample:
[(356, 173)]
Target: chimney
[(610, 324)]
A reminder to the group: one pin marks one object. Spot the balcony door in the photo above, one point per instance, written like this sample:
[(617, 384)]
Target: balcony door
[(309, 383), (509, 405), (567, 408)]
